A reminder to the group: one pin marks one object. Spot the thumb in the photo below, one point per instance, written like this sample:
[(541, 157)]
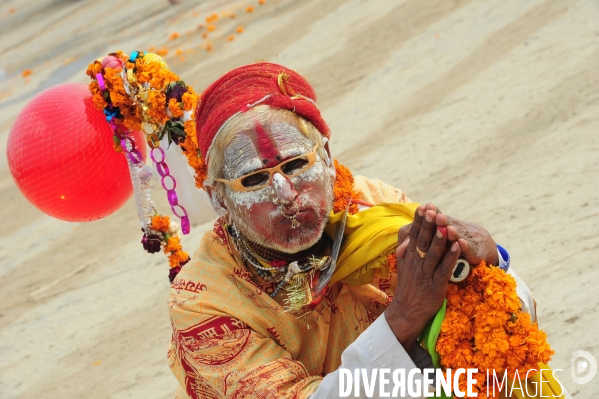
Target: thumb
[(468, 252), (404, 232)]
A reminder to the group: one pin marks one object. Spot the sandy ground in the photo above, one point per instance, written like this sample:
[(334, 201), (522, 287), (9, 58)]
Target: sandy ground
[(487, 108)]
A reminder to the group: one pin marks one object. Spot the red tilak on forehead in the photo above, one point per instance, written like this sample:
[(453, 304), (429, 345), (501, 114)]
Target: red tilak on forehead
[(265, 145)]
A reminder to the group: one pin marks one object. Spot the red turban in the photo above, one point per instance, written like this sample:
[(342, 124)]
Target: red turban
[(251, 85)]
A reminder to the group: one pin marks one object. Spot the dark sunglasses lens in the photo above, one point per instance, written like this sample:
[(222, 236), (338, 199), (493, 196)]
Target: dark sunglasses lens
[(255, 180), (295, 166)]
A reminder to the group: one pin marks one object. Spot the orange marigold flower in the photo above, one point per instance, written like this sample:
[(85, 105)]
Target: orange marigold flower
[(191, 140), (173, 36), (211, 28), (189, 101), (163, 51), (392, 263), (211, 18), (457, 325), (209, 47), (157, 104), (344, 190), (172, 245), (173, 107), (114, 83), (249, 9), (459, 357), (239, 29), (93, 69), (230, 38), (175, 258), (97, 97), (160, 223), (261, 2), (205, 35)]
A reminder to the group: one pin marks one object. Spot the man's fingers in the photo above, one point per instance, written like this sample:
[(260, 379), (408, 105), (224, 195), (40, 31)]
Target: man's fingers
[(468, 252), (435, 252), (415, 229), (427, 231), (442, 220), (401, 249), (452, 233), (449, 260)]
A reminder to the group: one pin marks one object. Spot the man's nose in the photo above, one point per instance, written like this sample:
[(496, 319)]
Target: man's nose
[(283, 189)]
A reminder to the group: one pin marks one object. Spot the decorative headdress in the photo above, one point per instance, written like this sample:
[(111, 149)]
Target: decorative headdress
[(139, 92)]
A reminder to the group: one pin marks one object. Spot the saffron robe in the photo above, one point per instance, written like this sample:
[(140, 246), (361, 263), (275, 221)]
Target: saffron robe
[(231, 339)]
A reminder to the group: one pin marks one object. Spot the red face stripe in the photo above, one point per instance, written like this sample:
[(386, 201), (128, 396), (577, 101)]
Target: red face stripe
[(266, 147)]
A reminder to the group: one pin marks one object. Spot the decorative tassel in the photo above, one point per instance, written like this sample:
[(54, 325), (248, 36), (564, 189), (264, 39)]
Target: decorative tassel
[(299, 292)]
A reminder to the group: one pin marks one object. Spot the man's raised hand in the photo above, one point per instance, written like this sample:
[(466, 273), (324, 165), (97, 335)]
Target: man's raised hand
[(424, 267)]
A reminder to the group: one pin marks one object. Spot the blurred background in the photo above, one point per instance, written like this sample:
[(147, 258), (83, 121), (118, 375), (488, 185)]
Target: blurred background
[(490, 109)]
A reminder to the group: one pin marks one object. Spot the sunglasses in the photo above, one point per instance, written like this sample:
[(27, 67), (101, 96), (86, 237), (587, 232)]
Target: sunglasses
[(262, 178)]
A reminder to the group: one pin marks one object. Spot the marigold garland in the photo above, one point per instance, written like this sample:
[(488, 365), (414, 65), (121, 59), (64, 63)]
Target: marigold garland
[(150, 69), (168, 231), (392, 263), (343, 190), (485, 328), (157, 100)]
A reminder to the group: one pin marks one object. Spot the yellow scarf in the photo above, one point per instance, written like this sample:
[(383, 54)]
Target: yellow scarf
[(370, 235)]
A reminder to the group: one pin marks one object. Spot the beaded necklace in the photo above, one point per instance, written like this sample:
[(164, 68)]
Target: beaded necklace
[(297, 271)]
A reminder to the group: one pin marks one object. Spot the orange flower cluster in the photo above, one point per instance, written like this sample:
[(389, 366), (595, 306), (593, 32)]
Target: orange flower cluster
[(172, 243), (155, 73), (120, 98), (173, 106), (344, 190), (192, 152), (160, 223), (176, 255), (392, 262), (94, 88), (485, 328)]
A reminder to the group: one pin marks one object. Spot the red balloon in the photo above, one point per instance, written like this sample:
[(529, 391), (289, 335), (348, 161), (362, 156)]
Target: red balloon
[(61, 155)]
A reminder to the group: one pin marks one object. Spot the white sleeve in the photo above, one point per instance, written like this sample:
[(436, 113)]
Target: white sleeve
[(375, 349), (527, 300)]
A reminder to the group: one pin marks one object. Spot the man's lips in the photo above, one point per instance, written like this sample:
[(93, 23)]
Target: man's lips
[(292, 209), (300, 215)]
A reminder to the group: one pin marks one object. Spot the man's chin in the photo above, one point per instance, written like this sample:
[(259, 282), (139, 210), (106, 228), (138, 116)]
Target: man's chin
[(295, 248), (296, 243)]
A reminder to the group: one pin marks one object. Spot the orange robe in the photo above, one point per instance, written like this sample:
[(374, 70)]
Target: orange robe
[(231, 339)]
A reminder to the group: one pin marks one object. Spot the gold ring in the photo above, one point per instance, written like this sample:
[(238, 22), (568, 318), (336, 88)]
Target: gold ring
[(420, 253)]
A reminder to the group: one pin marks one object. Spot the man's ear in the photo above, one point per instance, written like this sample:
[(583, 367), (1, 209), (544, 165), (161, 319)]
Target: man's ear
[(218, 203), (329, 161)]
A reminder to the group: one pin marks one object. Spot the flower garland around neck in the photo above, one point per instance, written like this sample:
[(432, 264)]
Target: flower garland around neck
[(139, 93)]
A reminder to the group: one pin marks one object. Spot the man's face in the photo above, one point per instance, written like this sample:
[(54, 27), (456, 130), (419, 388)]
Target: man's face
[(259, 214)]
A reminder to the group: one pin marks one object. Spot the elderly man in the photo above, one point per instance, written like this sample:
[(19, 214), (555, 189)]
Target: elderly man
[(273, 184)]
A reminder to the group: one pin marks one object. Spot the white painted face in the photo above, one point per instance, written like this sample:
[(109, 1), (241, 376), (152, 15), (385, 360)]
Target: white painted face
[(263, 215)]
